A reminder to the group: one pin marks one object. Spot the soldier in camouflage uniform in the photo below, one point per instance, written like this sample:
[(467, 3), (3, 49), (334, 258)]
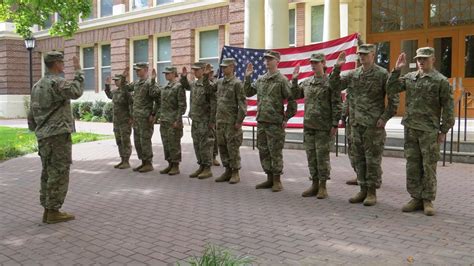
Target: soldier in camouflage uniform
[(122, 118), (368, 114), (271, 90), (231, 110), (203, 114), (215, 152), (50, 117), (143, 114), (171, 104), (322, 112), (428, 117)]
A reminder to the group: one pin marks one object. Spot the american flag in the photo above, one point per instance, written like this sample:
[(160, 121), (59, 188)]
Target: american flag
[(290, 58)]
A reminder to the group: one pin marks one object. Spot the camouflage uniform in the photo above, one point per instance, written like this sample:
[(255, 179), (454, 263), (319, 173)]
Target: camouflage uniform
[(51, 119), (345, 113), (122, 115), (428, 111)]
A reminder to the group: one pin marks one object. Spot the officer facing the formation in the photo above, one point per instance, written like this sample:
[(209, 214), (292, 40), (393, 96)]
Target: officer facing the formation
[(202, 112), (231, 110), (143, 114), (271, 90), (322, 112), (428, 117), (368, 114), (122, 117), (51, 119), (171, 104), (215, 150)]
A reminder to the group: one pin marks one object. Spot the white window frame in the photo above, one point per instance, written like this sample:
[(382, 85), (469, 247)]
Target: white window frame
[(155, 51), (132, 57), (99, 9), (81, 55), (130, 6), (101, 67), (165, 4), (308, 26), (197, 42), (293, 7)]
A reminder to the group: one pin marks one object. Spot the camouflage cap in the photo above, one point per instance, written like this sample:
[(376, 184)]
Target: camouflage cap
[(198, 65), (118, 77), (140, 65), (272, 54), (425, 52), (317, 57), (170, 69), (366, 48), (53, 56), (227, 62)]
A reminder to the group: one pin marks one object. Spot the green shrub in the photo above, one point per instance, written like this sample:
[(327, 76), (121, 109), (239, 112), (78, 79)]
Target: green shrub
[(218, 256), (87, 117), (75, 110), (97, 108), (84, 108), (108, 111), (98, 119)]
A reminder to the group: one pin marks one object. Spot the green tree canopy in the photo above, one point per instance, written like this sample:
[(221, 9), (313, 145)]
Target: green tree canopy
[(27, 13)]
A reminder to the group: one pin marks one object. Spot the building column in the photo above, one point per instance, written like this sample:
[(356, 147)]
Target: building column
[(119, 50), (332, 27), (276, 24), (254, 24)]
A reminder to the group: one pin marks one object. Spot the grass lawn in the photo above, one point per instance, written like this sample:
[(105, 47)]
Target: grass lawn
[(16, 142)]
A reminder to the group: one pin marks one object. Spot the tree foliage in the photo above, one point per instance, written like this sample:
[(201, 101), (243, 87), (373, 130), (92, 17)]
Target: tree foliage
[(27, 13)]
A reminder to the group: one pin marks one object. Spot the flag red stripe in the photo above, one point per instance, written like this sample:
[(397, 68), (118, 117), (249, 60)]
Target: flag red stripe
[(317, 46)]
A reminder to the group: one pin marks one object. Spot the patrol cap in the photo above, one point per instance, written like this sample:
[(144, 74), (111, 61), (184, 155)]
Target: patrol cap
[(227, 62), (425, 52), (140, 65), (198, 65), (317, 57), (118, 77), (170, 69), (366, 48), (53, 56), (272, 54)]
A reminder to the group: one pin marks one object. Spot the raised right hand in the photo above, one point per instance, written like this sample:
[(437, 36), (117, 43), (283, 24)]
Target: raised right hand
[(249, 70), (341, 59), (401, 61), (108, 80), (296, 72), (184, 72)]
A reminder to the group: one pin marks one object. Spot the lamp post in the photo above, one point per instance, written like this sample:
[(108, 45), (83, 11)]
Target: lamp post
[(30, 45)]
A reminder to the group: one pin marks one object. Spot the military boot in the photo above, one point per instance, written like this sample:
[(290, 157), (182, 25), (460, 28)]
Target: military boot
[(313, 190), (125, 164), (235, 177), (174, 169), (266, 184), (225, 176), (197, 172), (215, 162), (55, 216), (119, 164), (413, 205), (206, 173), (322, 193), (45, 215), (371, 198), (360, 196), (428, 207), (277, 185), (167, 169), (147, 167), (138, 167), (352, 182)]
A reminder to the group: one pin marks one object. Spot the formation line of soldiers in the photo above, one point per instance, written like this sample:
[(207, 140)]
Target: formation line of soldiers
[(218, 109)]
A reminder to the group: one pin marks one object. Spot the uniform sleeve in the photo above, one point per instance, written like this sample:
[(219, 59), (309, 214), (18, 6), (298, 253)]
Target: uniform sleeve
[(292, 106), (392, 105), (336, 106), (185, 83), (130, 102), (181, 103), (31, 120), (157, 100), (296, 90), (395, 83), (447, 106), (250, 88), (213, 102), (107, 91), (241, 102), (335, 81), (67, 90)]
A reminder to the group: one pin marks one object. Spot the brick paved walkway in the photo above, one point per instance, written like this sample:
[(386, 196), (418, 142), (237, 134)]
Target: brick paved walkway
[(130, 218)]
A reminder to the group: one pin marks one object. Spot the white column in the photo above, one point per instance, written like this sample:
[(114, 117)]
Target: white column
[(276, 24), (254, 24), (332, 21)]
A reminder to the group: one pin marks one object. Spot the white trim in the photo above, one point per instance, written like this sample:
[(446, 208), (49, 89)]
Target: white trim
[(132, 57), (307, 23), (296, 19), (99, 54), (197, 36), (81, 60)]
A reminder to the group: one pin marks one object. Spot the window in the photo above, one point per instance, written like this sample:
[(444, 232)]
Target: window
[(292, 30), (209, 47), (105, 68), (89, 69), (48, 23), (164, 57), (396, 15), (451, 13), (317, 23), (137, 4), (160, 2), (140, 53), (106, 7)]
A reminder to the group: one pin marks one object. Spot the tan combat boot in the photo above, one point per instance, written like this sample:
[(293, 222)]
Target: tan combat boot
[(235, 177), (197, 172), (119, 164), (206, 173), (352, 182), (312, 191), (277, 185), (360, 196), (322, 193), (55, 216), (138, 167), (428, 208), (225, 176), (174, 169), (413, 205), (371, 198), (147, 167), (266, 184), (215, 162), (167, 169), (45, 215), (125, 164)]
